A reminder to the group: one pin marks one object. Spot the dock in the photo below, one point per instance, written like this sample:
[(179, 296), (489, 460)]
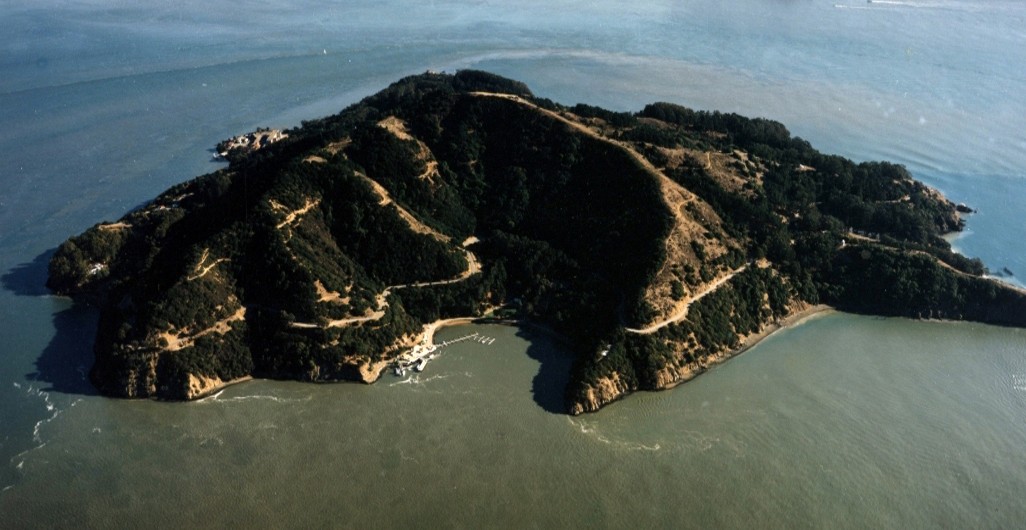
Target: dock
[(418, 357), (477, 337)]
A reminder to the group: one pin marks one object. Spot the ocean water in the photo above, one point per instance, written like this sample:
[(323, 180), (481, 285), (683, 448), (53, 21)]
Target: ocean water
[(843, 421)]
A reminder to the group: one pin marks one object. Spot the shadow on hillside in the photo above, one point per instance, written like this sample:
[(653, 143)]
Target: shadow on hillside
[(549, 385), (64, 363)]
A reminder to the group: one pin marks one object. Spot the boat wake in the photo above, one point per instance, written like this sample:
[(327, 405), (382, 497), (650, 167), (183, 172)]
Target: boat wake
[(408, 381), (216, 398), (53, 412), (50, 407), (1019, 382), (212, 397), (416, 380), (948, 6), (626, 445), (682, 441)]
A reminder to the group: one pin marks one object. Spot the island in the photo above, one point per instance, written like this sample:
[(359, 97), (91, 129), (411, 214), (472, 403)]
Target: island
[(656, 243)]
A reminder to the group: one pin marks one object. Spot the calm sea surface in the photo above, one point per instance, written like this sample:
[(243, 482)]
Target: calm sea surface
[(842, 421)]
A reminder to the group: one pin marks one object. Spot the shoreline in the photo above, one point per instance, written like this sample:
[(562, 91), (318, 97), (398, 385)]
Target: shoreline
[(696, 368), (427, 336), (791, 321), (684, 373), (372, 372), (689, 371), (218, 388)]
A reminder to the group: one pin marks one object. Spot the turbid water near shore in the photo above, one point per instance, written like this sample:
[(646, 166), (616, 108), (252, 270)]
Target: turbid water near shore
[(801, 428)]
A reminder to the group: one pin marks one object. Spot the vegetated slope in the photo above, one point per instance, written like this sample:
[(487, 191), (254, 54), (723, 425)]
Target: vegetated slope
[(655, 242)]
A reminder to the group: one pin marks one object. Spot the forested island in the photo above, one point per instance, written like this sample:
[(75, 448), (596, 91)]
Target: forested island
[(655, 242)]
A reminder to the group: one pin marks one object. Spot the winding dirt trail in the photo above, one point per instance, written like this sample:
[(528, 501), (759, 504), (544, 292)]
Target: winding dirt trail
[(201, 270), (473, 265), (415, 224), (294, 215), (183, 339), (942, 263), (681, 311)]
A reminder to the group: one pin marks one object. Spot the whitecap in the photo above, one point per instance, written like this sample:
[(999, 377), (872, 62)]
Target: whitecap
[(275, 399), (407, 381), (584, 428), (626, 445), (212, 397)]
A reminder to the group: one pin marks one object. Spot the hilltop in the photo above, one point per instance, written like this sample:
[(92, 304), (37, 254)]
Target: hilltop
[(656, 242)]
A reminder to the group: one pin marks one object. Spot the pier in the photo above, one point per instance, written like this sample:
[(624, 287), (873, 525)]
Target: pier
[(418, 357), (473, 336)]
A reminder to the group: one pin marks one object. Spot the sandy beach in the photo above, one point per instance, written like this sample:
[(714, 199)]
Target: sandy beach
[(428, 335), (790, 321)]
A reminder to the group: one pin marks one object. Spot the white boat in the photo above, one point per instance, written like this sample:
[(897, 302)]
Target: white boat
[(421, 364)]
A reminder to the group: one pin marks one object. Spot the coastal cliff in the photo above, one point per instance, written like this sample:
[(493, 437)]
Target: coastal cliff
[(657, 243), (684, 367)]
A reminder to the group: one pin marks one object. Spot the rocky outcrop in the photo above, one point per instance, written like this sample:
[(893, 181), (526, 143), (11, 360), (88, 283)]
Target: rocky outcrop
[(371, 371), (141, 381), (201, 386), (244, 144), (674, 372)]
